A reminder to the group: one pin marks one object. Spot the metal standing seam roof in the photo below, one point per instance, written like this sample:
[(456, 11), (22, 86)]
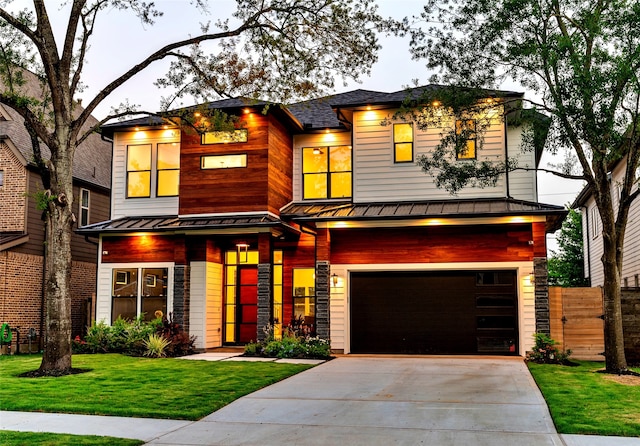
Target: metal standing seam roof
[(422, 209), (175, 223)]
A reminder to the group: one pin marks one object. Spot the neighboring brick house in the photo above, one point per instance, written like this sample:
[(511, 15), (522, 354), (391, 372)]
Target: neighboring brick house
[(22, 227), (319, 213)]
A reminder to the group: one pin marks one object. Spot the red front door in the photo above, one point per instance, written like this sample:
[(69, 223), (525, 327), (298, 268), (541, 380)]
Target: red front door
[(247, 304)]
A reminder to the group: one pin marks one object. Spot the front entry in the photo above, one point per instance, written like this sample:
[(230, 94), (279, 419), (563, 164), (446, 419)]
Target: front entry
[(247, 307)]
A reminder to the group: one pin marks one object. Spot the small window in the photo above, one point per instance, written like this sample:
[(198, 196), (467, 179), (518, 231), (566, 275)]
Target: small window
[(139, 171), (168, 166), (595, 222), (466, 139), (84, 207), (223, 161), (241, 135), (1, 177), (403, 143)]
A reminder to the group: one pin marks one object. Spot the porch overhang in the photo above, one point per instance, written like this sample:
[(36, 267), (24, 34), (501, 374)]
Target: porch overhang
[(463, 211), (226, 224), (9, 240)]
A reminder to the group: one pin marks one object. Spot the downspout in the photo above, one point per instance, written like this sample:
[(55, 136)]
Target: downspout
[(42, 293), (586, 237)]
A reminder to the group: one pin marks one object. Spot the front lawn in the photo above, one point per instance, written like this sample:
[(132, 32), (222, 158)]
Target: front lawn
[(12, 438), (582, 401), (136, 387)]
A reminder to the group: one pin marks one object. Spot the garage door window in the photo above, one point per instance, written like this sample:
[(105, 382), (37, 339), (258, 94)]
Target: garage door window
[(304, 297)]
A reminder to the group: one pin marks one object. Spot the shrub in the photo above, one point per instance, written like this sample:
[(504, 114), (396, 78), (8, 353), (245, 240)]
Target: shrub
[(545, 352), (181, 344), (155, 346), (292, 345)]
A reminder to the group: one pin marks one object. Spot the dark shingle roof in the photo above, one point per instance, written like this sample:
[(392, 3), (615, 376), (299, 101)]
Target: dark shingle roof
[(92, 162), (462, 208), (11, 239)]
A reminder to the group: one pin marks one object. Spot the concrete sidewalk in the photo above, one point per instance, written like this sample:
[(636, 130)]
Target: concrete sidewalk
[(359, 401)]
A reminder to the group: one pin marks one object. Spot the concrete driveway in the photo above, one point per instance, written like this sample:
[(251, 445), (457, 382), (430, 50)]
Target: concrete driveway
[(362, 400)]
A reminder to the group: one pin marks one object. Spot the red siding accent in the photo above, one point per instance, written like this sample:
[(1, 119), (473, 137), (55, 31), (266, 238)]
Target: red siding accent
[(490, 243), (144, 248), (539, 239)]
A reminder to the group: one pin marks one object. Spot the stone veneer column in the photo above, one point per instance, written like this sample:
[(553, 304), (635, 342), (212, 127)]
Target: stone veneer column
[(264, 300), (322, 300), (541, 274), (181, 295)]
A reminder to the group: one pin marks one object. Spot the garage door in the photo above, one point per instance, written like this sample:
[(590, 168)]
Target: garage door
[(454, 312)]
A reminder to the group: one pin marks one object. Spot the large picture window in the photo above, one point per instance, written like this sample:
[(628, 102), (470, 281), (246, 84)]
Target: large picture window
[(326, 172), (139, 291), (403, 143), (168, 166), (139, 171)]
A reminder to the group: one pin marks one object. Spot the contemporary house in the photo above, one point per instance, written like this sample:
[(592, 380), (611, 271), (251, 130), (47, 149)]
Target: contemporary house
[(22, 232), (318, 215)]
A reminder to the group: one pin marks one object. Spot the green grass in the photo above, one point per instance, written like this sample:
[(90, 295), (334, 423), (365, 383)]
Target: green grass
[(12, 438), (582, 401), (136, 387)]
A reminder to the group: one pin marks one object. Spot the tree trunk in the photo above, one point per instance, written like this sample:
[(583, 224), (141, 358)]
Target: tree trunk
[(57, 346), (613, 334)]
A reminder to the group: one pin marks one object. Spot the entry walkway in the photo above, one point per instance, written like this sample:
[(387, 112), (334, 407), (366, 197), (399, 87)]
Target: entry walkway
[(360, 400)]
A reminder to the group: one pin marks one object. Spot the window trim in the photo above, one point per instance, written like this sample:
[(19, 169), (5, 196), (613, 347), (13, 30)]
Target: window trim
[(241, 156), (158, 170), (82, 207), (458, 129), (225, 137), (150, 145), (328, 172), (396, 143)]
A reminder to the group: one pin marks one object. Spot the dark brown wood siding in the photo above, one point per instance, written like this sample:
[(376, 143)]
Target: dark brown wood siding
[(145, 248), (488, 243), (280, 186), (225, 190)]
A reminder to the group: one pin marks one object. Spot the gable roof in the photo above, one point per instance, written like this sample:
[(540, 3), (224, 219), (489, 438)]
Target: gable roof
[(92, 162)]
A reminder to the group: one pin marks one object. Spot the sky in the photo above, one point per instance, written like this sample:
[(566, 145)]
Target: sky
[(120, 41)]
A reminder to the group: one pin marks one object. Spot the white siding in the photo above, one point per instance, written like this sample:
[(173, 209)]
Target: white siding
[(339, 329), (126, 207), (522, 183), (205, 313), (378, 178), (197, 303), (593, 245)]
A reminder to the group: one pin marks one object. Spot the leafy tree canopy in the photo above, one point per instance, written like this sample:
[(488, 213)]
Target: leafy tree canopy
[(566, 267)]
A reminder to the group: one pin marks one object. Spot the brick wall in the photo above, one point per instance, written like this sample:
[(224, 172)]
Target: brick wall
[(12, 199), (21, 292)]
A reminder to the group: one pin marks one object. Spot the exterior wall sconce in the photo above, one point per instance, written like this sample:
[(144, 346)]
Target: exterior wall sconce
[(243, 252), (530, 279), (334, 280)]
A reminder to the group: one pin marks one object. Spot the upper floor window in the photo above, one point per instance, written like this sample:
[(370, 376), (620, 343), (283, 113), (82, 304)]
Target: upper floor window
[(326, 172), (140, 174), (466, 132), (84, 207), (595, 222), (225, 137), (403, 143), (168, 166), (139, 171), (1, 177), (223, 161)]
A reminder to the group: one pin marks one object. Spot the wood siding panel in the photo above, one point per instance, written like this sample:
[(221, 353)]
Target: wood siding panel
[(122, 206), (213, 306), (280, 182), (146, 248), (378, 178), (197, 303), (499, 243)]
